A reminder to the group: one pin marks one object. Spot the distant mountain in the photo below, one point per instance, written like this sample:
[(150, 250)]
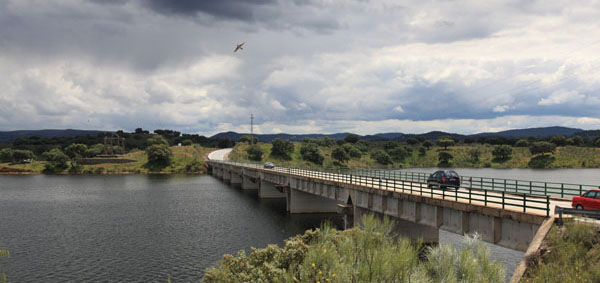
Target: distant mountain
[(13, 135), (434, 135), (533, 132), (270, 137)]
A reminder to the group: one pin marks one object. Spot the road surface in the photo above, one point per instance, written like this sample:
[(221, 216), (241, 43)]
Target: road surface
[(220, 154)]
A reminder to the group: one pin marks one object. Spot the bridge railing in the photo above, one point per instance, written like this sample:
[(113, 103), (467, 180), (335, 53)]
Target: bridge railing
[(539, 188), (387, 180)]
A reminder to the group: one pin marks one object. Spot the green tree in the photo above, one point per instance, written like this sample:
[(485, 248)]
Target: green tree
[(255, 153), (340, 154), (381, 157), (502, 152), (445, 142), (76, 150), (389, 145), (352, 138), (187, 142), (558, 140), (6, 155), (157, 139), (94, 150), (422, 151), (474, 154), (576, 141), (542, 147), (399, 153), (352, 151), (249, 139), (57, 160), (282, 149), (22, 154), (310, 152), (159, 155), (522, 143), (412, 141), (597, 142), (444, 158), (427, 144)]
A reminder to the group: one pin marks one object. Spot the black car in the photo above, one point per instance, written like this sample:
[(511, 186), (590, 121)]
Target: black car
[(443, 179)]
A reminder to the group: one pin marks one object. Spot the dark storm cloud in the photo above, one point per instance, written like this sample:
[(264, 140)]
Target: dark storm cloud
[(231, 9)]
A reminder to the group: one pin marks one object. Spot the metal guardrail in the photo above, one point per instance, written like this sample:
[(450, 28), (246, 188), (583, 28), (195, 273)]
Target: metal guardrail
[(391, 182), (572, 211), (494, 184)]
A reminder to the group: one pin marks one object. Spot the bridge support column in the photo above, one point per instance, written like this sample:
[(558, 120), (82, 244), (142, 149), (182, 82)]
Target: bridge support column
[(301, 202), (236, 179), (414, 231), (226, 175), (268, 190), (248, 184)]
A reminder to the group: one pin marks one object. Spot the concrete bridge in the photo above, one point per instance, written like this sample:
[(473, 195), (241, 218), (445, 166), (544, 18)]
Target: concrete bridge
[(508, 220)]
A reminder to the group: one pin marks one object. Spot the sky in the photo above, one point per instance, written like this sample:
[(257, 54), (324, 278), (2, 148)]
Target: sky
[(308, 66)]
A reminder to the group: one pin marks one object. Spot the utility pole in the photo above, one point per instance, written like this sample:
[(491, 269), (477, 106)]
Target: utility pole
[(251, 128)]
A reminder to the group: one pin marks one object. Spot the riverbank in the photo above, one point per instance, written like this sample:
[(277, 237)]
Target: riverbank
[(185, 160), (420, 157), (573, 249)]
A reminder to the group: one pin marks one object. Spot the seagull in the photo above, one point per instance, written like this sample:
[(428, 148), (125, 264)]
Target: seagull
[(239, 47)]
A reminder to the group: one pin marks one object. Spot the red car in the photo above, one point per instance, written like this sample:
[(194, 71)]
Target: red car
[(589, 200)]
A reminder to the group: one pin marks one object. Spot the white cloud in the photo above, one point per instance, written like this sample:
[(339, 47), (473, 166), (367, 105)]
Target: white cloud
[(562, 97)]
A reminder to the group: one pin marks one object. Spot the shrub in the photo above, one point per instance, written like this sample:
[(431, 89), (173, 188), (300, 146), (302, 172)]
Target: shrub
[(57, 160), (502, 152), (157, 139), (474, 154), (422, 151), (159, 154), (255, 153), (282, 149), (352, 151), (248, 139), (381, 157), (444, 158), (6, 155), (194, 167), (351, 138), (412, 141), (187, 142), (522, 143), (541, 161), (542, 147), (370, 253), (310, 152), (94, 150)]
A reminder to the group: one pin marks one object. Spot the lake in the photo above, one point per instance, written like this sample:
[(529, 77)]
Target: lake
[(144, 228)]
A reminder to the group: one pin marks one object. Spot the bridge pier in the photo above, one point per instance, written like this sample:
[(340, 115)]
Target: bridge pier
[(236, 179), (268, 190), (248, 183)]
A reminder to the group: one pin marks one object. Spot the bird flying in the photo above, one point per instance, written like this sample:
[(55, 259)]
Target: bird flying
[(239, 47)]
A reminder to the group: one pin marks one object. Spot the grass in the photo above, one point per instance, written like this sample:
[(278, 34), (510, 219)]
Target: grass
[(571, 254), (370, 253), (185, 159), (566, 157)]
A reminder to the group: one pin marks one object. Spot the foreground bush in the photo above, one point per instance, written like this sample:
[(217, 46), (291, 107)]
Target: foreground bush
[(572, 255), (368, 254)]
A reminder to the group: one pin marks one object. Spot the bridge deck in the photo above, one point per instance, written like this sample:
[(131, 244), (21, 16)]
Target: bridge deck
[(530, 204)]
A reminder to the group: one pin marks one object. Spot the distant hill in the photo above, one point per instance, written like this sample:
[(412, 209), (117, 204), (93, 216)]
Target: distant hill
[(270, 137), (533, 132), (434, 135), (13, 135)]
